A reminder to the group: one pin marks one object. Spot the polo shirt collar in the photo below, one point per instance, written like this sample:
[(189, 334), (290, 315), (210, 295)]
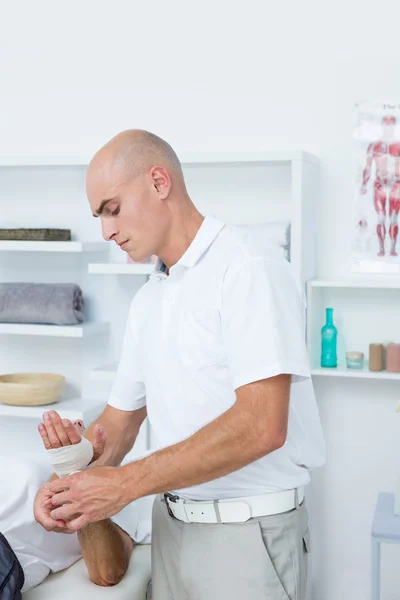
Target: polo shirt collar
[(207, 233)]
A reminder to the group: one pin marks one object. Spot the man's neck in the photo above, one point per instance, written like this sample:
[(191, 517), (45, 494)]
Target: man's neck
[(180, 238)]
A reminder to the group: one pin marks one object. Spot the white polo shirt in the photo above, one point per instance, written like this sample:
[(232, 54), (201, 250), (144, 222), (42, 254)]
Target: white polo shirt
[(231, 312)]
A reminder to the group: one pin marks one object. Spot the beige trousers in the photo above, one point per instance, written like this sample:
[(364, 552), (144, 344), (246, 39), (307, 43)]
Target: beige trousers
[(263, 558)]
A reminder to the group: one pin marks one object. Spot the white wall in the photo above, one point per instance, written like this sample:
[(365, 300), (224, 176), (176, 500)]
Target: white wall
[(226, 76)]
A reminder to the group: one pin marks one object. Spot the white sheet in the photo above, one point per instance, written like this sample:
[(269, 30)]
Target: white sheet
[(74, 582), (38, 550)]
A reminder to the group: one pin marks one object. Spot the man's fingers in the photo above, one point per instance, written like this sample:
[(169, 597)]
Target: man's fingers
[(59, 499), (59, 485)]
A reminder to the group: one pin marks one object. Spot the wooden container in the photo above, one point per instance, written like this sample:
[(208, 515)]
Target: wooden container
[(36, 235), (375, 357), (30, 389)]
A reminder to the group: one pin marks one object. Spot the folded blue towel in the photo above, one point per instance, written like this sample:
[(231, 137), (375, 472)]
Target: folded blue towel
[(54, 303)]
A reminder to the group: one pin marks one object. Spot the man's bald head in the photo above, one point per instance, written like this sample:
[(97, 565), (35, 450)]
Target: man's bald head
[(136, 186), (134, 151)]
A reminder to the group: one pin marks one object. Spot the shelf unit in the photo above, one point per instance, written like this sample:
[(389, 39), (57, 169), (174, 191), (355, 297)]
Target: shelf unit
[(33, 246), (71, 408), (120, 269), (354, 299), (74, 408), (186, 158), (104, 373), (361, 282), (69, 331), (342, 371), (292, 176)]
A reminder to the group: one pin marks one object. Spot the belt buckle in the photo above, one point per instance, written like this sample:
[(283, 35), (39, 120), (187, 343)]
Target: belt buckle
[(172, 498), (296, 499)]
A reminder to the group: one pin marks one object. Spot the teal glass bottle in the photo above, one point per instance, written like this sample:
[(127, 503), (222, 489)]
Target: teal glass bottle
[(329, 341)]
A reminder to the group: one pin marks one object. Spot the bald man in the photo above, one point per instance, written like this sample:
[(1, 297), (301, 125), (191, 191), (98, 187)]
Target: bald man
[(214, 355)]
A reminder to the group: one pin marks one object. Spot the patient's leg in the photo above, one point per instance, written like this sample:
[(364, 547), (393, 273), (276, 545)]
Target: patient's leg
[(106, 548)]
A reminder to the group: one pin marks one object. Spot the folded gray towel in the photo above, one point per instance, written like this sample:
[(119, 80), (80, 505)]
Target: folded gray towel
[(54, 303)]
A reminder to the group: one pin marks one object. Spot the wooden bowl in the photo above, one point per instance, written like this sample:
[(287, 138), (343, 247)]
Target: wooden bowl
[(30, 389)]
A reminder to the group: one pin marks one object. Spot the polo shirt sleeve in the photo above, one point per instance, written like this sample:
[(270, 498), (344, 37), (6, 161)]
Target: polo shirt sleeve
[(128, 391), (263, 322)]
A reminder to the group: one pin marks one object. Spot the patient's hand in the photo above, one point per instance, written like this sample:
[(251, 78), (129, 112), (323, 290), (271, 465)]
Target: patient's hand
[(42, 508), (56, 432)]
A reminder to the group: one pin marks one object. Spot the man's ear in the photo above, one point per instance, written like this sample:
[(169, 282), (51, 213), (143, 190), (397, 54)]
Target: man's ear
[(161, 181)]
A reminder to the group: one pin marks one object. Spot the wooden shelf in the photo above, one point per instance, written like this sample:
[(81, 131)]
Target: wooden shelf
[(104, 373), (70, 331), (120, 269), (354, 373), (74, 408), (68, 247)]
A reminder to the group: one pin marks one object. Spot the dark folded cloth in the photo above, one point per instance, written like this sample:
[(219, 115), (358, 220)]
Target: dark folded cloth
[(54, 303)]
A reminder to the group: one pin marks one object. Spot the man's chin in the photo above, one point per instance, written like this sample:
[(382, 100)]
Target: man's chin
[(137, 259)]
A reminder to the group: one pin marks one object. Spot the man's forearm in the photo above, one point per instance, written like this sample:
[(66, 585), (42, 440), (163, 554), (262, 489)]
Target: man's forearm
[(231, 442)]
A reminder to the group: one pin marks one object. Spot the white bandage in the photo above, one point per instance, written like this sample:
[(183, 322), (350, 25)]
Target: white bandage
[(70, 459)]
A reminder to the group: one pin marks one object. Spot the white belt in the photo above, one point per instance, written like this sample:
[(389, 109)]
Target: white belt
[(237, 510)]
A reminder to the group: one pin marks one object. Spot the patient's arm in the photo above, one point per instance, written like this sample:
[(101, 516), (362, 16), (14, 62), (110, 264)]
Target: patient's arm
[(106, 548)]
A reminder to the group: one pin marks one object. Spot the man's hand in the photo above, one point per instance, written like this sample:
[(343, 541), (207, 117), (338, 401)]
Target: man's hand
[(92, 495)]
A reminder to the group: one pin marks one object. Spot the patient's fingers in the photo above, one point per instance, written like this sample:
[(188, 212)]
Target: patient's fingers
[(78, 523), (74, 437), (64, 512), (45, 438), (51, 432), (60, 429), (99, 442), (42, 508), (57, 432)]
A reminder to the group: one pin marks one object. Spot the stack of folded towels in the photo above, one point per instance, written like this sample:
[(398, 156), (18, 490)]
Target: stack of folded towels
[(54, 304)]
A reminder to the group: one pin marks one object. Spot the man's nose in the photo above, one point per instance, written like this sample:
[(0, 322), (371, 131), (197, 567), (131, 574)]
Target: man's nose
[(108, 230)]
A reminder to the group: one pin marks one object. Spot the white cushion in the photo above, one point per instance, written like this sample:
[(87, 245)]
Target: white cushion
[(74, 582)]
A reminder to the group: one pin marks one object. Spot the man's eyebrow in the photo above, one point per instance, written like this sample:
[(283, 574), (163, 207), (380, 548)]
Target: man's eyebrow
[(98, 212)]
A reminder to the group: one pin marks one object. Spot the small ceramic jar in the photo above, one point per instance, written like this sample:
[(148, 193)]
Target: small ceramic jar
[(354, 360)]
